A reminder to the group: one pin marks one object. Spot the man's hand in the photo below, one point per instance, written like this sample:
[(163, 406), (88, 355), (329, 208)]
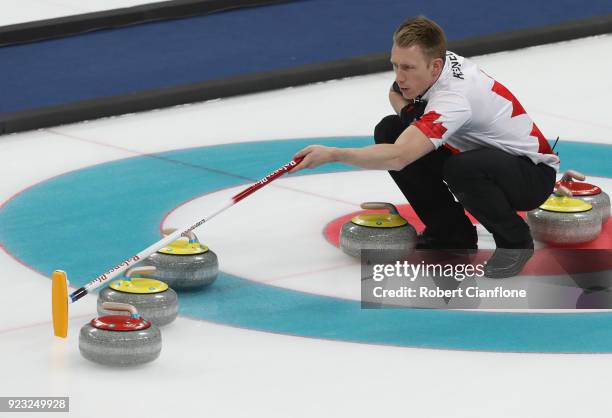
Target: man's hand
[(314, 156), (411, 145), (412, 111)]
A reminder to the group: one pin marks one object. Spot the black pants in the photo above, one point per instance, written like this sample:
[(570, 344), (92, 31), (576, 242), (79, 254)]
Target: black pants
[(491, 184)]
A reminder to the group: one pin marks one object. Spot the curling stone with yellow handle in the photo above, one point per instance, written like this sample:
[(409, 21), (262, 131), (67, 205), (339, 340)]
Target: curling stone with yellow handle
[(587, 192), (563, 220), (153, 298), (185, 264), (377, 231), (120, 340)]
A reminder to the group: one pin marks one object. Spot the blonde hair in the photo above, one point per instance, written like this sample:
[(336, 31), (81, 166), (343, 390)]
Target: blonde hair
[(423, 32)]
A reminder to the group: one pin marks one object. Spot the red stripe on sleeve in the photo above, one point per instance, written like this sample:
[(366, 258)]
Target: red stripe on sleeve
[(451, 148), (427, 124), (544, 147)]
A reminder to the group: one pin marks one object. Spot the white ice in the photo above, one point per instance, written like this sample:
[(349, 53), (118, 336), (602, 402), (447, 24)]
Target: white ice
[(208, 369)]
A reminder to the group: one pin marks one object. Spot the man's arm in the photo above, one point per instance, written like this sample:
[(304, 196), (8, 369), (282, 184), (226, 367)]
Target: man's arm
[(411, 145)]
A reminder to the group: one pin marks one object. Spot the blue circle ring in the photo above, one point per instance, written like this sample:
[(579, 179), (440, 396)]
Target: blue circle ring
[(87, 220)]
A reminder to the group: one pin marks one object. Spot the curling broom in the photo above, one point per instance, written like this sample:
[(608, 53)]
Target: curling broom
[(59, 288)]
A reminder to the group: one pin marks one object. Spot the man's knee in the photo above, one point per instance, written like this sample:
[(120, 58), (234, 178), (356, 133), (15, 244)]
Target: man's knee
[(455, 170), (388, 129)]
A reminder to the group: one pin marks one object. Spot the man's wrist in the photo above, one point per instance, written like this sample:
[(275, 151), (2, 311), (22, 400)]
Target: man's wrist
[(337, 155)]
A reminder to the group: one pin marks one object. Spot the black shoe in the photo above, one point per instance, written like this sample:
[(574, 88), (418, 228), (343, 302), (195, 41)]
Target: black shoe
[(507, 262), (468, 240)]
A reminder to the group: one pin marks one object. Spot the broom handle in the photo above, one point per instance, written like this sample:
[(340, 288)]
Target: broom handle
[(129, 262)]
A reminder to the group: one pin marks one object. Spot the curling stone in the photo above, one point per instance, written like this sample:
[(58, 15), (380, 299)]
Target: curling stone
[(119, 340), (154, 299), (377, 231), (563, 220), (185, 264), (587, 192)]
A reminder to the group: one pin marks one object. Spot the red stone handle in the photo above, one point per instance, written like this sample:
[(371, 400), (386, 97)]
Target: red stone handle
[(121, 307), (571, 175)]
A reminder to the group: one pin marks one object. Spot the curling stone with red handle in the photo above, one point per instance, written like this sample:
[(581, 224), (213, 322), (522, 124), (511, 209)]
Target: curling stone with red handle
[(563, 220), (154, 299), (587, 192), (119, 340), (377, 231), (185, 264)]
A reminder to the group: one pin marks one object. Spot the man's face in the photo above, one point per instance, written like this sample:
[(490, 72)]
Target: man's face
[(413, 71)]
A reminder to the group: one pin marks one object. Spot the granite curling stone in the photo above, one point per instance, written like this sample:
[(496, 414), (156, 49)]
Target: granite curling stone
[(119, 340), (563, 220), (185, 264), (154, 299), (587, 192), (377, 231)]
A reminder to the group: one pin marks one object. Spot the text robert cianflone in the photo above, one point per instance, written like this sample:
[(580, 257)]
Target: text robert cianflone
[(412, 271), (469, 292)]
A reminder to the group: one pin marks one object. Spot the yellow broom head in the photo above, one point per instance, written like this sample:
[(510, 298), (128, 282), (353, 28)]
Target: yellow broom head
[(59, 303)]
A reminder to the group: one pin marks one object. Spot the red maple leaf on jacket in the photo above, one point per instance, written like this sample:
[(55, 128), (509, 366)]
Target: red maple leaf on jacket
[(428, 125), (517, 108)]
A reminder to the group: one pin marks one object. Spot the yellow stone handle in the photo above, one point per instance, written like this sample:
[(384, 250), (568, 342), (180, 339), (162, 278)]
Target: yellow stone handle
[(563, 191), (122, 307), (144, 270), (190, 235), (571, 175), (380, 205)]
